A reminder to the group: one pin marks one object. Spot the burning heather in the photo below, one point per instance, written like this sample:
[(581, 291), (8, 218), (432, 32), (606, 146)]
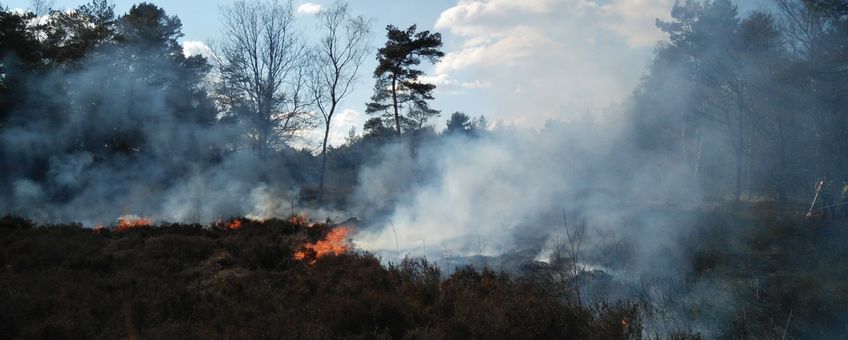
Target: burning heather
[(234, 225), (644, 169), (132, 222), (336, 242)]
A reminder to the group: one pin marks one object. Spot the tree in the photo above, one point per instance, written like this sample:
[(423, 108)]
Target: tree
[(70, 36), (816, 32), (19, 50), (41, 7), (149, 41), (707, 35), (337, 59), (19, 54), (262, 72), (398, 81), (459, 122), (374, 127)]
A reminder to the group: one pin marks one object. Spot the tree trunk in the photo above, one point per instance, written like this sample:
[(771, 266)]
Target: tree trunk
[(327, 123), (323, 162), (740, 132), (738, 190), (395, 104)]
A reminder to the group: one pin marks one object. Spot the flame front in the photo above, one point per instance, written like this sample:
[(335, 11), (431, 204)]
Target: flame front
[(235, 224), (127, 223), (336, 243)]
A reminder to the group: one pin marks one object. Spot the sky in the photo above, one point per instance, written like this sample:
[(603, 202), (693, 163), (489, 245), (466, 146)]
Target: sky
[(518, 63)]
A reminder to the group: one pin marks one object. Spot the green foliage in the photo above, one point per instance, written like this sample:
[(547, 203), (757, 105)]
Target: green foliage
[(459, 122), (398, 81)]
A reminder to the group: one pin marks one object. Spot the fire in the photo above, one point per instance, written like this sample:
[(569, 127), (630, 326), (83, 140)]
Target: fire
[(235, 224), (299, 219), (131, 222), (336, 243)]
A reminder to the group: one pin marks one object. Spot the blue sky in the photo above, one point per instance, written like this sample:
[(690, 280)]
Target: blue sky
[(517, 62)]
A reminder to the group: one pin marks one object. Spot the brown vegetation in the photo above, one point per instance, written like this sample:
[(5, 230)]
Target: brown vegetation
[(189, 281)]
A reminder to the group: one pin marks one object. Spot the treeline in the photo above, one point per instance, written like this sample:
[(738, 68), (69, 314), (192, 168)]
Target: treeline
[(754, 105), (751, 105), (90, 96), (94, 82)]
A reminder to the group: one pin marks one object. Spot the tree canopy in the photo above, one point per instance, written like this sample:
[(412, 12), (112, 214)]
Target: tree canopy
[(398, 82)]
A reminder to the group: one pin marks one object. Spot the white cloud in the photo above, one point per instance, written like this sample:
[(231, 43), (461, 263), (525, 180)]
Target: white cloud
[(457, 18), (477, 84), (632, 19), (566, 56), (308, 8), (342, 123), (191, 48), (442, 79), (498, 48)]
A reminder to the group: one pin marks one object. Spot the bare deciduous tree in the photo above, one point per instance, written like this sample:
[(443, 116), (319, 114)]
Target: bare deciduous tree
[(337, 59), (262, 72), (41, 7)]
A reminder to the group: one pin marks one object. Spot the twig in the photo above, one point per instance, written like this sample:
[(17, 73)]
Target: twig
[(786, 329), (574, 242), (397, 244), (479, 245)]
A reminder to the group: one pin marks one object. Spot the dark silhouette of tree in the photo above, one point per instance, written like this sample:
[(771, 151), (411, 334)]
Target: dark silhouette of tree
[(147, 27), (398, 81), (20, 55), (150, 41), (19, 52), (459, 122), (816, 32), (92, 61), (751, 104), (69, 36), (375, 128), (336, 62)]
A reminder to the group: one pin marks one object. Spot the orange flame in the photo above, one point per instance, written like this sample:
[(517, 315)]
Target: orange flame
[(299, 219), (336, 243), (127, 223), (235, 224)]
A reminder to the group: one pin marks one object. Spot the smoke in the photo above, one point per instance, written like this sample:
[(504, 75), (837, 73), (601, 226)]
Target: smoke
[(93, 141), (510, 192), (475, 195), (506, 196)]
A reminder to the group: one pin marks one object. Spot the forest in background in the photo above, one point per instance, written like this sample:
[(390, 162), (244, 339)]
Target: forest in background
[(751, 106)]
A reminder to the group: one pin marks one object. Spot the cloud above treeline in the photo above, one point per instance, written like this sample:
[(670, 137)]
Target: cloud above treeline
[(308, 8), (548, 56), (192, 47)]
